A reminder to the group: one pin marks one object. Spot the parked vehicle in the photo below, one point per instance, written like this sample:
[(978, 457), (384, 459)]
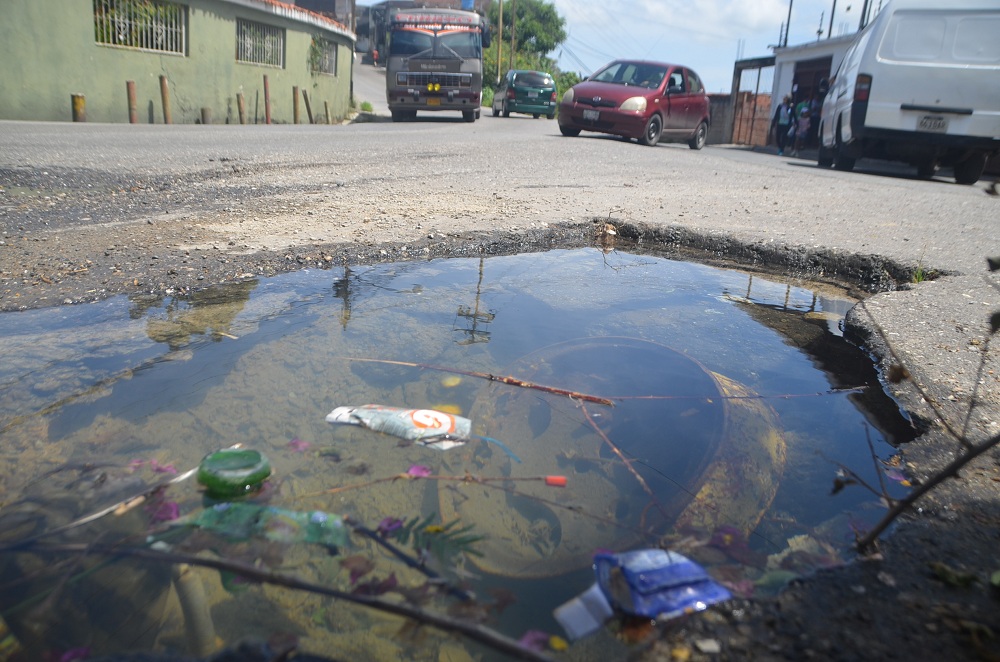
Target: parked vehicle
[(521, 91), (647, 101), (920, 84)]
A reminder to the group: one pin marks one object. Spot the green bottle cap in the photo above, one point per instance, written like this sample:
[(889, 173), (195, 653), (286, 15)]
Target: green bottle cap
[(233, 472)]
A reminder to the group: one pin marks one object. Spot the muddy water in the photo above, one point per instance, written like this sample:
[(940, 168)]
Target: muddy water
[(728, 429)]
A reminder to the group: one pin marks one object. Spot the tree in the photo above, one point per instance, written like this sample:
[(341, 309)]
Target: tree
[(539, 28)]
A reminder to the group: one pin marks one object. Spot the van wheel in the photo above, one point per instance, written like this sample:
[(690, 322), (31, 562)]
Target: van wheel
[(970, 169), (825, 157), (496, 112), (842, 161), (469, 115), (651, 134), (700, 137), (926, 168)]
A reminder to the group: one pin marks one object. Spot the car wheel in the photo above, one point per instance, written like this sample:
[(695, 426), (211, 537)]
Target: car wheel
[(841, 160), (495, 111), (651, 134), (700, 137), (506, 111), (551, 116), (535, 115), (970, 169), (926, 168), (569, 131), (469, 115)]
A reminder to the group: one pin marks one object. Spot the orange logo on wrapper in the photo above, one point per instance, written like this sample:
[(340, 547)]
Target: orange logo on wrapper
[(428, 419)]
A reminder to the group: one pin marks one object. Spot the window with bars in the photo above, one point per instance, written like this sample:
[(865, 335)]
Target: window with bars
[(323, 56), (142, 24), (257, 43)]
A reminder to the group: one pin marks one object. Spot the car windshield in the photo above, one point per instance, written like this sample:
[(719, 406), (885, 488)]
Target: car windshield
[(531, 79), (639, 74)]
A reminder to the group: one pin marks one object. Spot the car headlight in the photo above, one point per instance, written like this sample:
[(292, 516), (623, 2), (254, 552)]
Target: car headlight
[(637, 104), (568, 97)]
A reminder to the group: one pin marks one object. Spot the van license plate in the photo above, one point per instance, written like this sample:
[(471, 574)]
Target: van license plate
[(433, 101), (591, 115), (934, 123)]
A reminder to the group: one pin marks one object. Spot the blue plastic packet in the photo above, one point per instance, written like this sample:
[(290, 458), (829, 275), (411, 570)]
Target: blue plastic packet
[(656, 583), (652, 583)]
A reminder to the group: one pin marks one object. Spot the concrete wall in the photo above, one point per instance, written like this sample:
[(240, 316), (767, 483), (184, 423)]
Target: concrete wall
[(48, 52)]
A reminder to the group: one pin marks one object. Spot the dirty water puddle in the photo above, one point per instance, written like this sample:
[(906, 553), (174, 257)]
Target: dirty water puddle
[(649, 403)]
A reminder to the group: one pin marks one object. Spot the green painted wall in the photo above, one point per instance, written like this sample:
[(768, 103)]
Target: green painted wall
[(48, 53)]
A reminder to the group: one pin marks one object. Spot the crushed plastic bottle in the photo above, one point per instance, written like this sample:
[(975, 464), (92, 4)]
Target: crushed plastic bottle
[(651, 583), (242, 521)]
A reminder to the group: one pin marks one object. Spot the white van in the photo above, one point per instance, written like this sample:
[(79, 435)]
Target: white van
[(920, 84)]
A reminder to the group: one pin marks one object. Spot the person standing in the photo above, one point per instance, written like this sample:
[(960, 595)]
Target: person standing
[(802, 124), (782, 124)]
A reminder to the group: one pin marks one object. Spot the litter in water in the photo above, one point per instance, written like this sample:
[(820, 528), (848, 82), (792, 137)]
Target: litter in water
[(650, 583), (427, 427)]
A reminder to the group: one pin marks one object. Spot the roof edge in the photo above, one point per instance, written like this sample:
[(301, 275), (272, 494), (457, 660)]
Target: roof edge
[(291, 12)]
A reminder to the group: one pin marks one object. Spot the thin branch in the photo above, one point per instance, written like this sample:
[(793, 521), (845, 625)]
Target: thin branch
[(512, 381), (473, 631), (628, 463), (900, 506)]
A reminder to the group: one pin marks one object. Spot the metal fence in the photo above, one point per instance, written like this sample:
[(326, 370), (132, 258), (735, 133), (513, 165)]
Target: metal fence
[(751, 118), (257, 43), (141, 24)]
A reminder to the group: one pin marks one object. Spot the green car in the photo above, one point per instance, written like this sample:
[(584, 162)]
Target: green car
[(529, 92)]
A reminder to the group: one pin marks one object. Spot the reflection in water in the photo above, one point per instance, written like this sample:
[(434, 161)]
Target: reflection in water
[(208, 313), (98, 399)]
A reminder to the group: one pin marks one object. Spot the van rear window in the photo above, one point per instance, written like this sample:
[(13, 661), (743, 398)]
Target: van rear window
[(942, 37)]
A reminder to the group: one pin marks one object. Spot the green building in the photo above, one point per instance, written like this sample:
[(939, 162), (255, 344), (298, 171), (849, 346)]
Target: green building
[(186, 61)]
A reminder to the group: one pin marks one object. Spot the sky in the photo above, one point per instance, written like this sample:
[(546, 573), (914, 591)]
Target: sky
[(706, 35)]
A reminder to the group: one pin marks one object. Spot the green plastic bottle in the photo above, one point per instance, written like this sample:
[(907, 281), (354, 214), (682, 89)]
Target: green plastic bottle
[(233, 472)]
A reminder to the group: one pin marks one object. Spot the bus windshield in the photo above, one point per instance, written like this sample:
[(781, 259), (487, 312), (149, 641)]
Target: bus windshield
[(464, 44)]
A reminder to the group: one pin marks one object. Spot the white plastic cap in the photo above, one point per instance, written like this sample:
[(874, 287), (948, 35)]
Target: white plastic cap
[(584, 614)]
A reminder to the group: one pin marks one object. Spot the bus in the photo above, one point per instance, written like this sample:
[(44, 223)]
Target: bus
[(434, 61)]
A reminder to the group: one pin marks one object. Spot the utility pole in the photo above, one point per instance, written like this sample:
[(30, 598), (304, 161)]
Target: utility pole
[(788, 23), (499, 41), (475, 316), (513, 32)]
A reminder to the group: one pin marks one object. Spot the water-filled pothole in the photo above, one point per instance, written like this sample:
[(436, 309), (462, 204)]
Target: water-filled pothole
[(729, 422)]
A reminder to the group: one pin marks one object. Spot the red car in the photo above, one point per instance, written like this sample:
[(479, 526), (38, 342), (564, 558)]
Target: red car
[(648, 101)]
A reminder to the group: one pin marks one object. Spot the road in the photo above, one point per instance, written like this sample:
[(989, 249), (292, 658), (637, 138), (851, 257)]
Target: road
[(369, 85), (87, 211)]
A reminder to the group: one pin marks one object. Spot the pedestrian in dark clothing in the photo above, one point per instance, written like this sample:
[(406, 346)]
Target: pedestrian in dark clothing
[(783, 124)]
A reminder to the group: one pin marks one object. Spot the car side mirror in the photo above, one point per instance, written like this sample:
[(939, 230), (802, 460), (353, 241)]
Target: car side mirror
[(674, 89)]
